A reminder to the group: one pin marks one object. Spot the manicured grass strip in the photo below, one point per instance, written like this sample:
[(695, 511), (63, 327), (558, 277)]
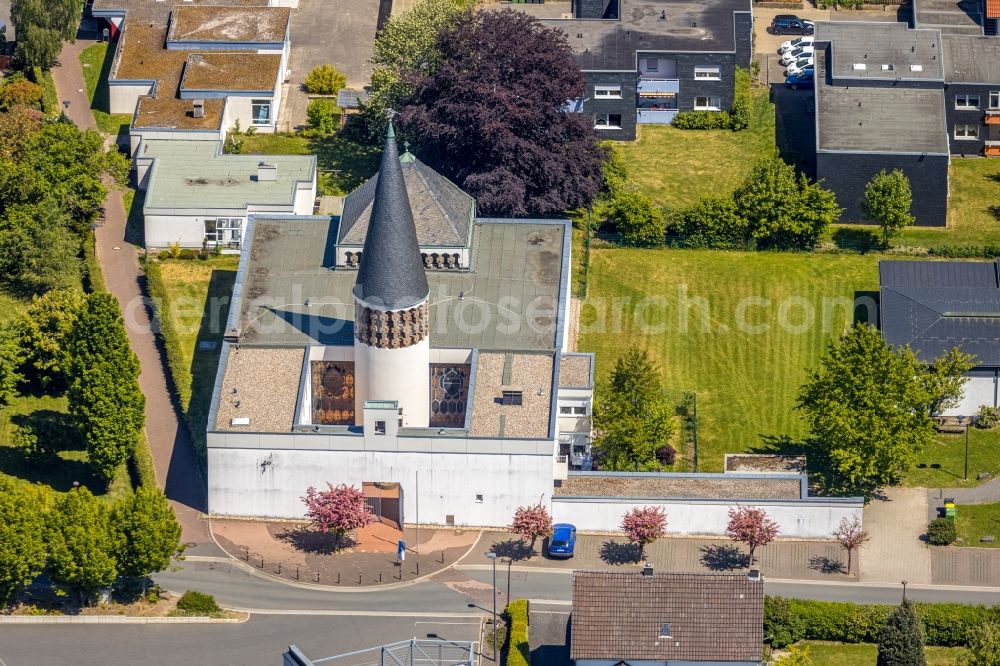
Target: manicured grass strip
[(942, 463), (96, 63), (842, 654), (191, 302), (686, 308), (975, 521)]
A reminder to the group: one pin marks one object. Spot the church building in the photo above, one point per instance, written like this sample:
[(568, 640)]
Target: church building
[(408, 348)]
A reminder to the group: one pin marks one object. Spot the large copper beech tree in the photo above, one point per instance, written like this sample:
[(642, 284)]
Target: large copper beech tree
[(492, 116)]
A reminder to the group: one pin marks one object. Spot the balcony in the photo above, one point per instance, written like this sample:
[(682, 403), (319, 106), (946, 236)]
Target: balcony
[(657, 87), (993, 116), (655, 116), (991, 148)]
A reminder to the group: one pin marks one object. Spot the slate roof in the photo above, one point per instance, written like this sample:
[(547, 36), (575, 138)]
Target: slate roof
[(712, 617), (876, 44), (442, 212), (868, 119), (691, 26), (972, 59), (937, 305), (392, 274)]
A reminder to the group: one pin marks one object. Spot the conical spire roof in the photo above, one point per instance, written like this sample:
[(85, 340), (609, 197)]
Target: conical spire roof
[(391, 275)]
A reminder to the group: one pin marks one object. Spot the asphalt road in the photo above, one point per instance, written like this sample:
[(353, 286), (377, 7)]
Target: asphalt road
[(258, 642)]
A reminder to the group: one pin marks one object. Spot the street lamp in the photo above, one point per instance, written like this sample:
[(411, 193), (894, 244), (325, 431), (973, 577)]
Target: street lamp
[(966, 476), (492, 557), (903, 582)]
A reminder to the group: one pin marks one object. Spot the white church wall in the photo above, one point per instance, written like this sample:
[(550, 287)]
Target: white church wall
[(803, 519), (270, 482), (394, 374)]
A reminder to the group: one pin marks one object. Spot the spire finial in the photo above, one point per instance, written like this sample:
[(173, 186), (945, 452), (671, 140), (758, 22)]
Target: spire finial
[(391, 132)]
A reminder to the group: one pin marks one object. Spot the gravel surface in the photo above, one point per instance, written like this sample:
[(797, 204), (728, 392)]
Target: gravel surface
[(765, 463), (267, 384), (717, 488), (574, 371)]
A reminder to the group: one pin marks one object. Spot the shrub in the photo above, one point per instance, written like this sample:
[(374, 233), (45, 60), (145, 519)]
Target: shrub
[(20, 91), (789, 621), (325, 80), (941, 532), (187, 253), (516, 615), (321, 114), (198, 603), (164, 255), (988, 417), (33, 448), (667, 455), (636, 217), (966, 251), (739, 113), (702, 120)]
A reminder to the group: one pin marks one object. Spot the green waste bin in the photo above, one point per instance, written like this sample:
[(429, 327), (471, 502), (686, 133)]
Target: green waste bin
[(949, 508)]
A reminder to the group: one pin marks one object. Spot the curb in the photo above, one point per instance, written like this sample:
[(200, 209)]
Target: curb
[(115, 619), (230, 558)]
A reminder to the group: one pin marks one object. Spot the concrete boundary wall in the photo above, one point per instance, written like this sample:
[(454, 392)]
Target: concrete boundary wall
[(810, 518)]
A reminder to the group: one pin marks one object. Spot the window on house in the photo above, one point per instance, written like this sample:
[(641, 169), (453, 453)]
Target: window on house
[(605, 92), (707, 72), (608, 121), (514, 398), (652, 64), (966, 101), (966, 131), (260, 110), (380, 427), (995, 99), (211, 231), (707, 104), (573, 410), (224, 231)]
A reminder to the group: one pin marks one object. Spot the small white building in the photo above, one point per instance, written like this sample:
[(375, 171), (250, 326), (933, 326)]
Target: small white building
[(195, 195), (191, 71)]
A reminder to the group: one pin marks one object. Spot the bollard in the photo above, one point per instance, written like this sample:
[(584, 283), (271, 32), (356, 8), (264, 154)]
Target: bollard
[(279, 568), (338, 578), (359, 579), (442, 557), (380, 576), (418, 568), (296, 573), (261, 561), (317, 576)]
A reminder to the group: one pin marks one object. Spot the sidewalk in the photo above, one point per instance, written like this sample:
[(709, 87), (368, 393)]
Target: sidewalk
[(177, 469)]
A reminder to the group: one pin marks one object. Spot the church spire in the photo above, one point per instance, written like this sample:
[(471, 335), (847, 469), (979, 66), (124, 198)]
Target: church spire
[(391, 275)]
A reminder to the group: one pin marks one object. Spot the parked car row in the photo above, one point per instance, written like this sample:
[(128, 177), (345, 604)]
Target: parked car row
[(797, 57), (790, 24)]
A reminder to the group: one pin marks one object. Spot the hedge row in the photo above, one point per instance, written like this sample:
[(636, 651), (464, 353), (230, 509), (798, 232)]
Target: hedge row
[(91, 267), (966, 251), (518, 653), (141, 464), (736, 119), (788, 621)]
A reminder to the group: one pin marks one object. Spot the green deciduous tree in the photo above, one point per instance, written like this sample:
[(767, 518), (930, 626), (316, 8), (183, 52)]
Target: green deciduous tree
[(147, 534), (984, 645), (867, 408), (321, 114), (406, 45), (104, 395), (41, 25), (325, 80), (43, 332), (946, 379), (22, 539), (887, 202), (714, 222), (635, 216), (81, 544), (632, 418), (10, 364), (901, 641)]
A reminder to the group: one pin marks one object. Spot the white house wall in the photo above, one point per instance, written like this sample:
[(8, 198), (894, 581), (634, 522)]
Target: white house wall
[(240, 109), (804, 519), (270, 482), (305, 197), (123, 97), (165, 230), (981, 389)]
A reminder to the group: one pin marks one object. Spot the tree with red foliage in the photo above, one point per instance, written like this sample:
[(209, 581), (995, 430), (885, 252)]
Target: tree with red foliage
[(850, 536), (339, 510), (492, 116), (531, 522), (644, 525), (752, 527)]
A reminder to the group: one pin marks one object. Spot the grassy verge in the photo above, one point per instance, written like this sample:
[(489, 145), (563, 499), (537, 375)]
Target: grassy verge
[(192, 303), (679, 167), (975, 521), (842, 654), (344, 161), (942, 464), (96, 63), (740, 329)]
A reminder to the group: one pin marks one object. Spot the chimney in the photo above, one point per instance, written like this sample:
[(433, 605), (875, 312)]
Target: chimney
[(266, 171), (754, 575), (198, 108), (647, 570)]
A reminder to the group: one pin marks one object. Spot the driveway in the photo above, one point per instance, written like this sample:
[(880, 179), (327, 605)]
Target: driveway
[(548, 634), (339, 32), (895, 551)]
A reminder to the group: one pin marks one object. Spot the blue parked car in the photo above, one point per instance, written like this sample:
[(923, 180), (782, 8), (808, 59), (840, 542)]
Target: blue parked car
[(803, 79), (563, 540)]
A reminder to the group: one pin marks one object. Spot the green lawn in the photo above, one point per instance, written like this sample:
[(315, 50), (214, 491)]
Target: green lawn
[(344, 161), (96, 62), (976, 521), (195, 297), (746, 378), (679, 167), (942, 464), (861, 654)]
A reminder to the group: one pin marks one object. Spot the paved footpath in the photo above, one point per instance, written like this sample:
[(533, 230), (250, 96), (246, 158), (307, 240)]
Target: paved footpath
[(177, 469)]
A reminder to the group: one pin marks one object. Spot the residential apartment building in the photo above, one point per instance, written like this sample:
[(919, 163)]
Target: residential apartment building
[(646, 60)]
